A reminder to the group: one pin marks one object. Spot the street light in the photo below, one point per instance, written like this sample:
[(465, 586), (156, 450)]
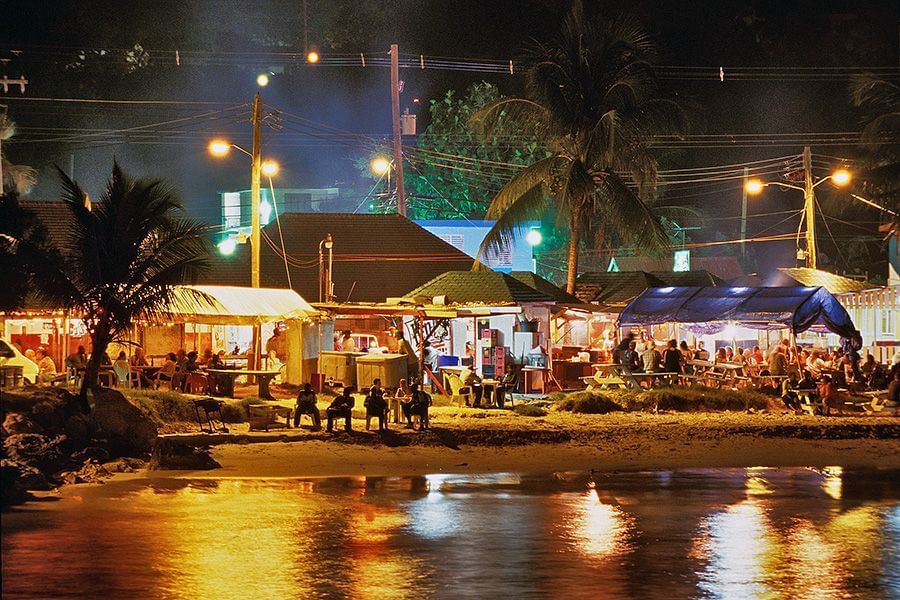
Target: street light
[(534, 237), (840, 178), (262, 80), (269, 168), (312, 57), (379, 165), (219, 148)]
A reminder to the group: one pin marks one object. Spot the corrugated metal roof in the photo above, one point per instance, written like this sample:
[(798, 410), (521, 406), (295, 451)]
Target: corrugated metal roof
[(231, 305), (835, 284)]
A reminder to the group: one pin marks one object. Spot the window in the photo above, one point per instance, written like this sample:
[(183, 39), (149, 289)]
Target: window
[(457, 240), (887, 323), (499, 258), (297, 202)]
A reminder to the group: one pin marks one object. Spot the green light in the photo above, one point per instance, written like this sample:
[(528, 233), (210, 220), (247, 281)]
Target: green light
[(534, 237)]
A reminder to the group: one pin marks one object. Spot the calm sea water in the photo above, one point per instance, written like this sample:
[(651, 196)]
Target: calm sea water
[(742, 533)]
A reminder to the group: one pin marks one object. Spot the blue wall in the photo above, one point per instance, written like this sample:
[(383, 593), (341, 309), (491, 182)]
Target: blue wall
[(472, 233)]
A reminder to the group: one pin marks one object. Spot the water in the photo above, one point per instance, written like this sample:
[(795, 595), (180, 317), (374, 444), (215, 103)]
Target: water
[(715, 533)]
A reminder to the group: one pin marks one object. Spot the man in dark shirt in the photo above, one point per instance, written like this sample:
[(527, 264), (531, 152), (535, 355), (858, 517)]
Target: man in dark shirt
[(417, 406), (306, 405), (342, 407), (376, 405), (630, 359)]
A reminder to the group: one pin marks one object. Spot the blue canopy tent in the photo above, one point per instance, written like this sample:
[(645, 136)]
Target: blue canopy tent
[(710, 309)]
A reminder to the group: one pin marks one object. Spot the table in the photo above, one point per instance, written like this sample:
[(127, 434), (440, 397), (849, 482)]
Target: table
[(489, 390), (145, 373), (11, 373), (263, 378), (394, 403), (545, 374)]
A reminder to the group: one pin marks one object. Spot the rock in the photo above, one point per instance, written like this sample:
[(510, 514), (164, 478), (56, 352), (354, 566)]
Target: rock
[(126, 464), (91, 453), (92, 472), (12, 489), (78, 430), (35, 450), (18, 423), (28, 477), (128, 430), (169, 454)]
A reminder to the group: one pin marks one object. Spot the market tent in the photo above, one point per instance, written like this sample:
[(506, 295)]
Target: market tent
[(711, 308), (230, 305)]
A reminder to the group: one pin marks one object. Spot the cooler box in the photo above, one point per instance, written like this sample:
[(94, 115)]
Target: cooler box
[(390, 368), (339, 367)]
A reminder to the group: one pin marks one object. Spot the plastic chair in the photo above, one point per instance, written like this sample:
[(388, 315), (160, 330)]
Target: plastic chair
[(458, 390), (123, 375)]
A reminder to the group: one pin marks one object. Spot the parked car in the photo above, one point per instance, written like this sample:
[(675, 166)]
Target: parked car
[(10, 355)]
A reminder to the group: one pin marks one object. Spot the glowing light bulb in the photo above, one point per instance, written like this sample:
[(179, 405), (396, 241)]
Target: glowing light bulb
[(219, 148), (269, 168), (754, 186), (380, 165), (312, 57), (841, 177), (262, 80), (534, 237)]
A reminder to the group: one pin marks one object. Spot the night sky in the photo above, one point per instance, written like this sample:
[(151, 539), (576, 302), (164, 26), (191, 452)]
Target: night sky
[(223, 45)]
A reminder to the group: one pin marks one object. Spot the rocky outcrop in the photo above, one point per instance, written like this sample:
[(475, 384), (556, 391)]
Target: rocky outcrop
[(48, 441), (171, 454)]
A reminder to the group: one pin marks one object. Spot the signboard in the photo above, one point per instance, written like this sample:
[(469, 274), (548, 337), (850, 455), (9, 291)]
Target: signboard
[(682, 262)]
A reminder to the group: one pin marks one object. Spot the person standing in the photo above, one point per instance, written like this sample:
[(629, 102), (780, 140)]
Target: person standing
[(673, 359), (341, 407), (412, 360), (306, 405)]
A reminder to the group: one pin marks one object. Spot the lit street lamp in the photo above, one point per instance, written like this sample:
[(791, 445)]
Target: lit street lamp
[(840, 178)]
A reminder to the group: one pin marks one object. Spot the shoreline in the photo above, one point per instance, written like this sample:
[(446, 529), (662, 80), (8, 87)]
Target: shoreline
[(559, 442)]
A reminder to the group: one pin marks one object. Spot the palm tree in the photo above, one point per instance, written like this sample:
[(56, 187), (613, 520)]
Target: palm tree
[(119, 260), (15, 178), (590, 100), (880, 102)]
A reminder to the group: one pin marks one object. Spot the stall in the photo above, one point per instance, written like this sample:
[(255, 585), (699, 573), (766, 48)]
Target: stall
[(710, 310)]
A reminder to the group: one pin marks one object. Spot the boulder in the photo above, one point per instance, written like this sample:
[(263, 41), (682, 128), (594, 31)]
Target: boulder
[(128, 430), (18, 423), (91, 453), (170, 454), (27, 476), (35, 450), (12, 489), (126, 464)]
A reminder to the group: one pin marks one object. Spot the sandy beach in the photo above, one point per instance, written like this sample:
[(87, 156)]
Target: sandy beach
[(494, 441)]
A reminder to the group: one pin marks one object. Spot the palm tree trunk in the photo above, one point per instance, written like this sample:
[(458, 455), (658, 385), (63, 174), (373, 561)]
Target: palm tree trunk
[(572, 272), (99, 345)]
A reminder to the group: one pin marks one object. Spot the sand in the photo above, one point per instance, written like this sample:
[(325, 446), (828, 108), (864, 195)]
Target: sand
[(469, 441)]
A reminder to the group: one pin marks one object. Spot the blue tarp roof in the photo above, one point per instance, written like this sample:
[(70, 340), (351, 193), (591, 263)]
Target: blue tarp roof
[(710, 308)]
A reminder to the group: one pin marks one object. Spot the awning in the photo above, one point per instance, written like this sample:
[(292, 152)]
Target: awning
[(229, 305), (711, 308)]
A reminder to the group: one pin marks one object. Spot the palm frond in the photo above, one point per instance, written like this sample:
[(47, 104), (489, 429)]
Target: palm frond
[(623, 212)]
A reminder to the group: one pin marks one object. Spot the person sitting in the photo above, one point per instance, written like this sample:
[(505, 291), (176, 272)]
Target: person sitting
[(652, 359), (509, 381), (46, 366), (721, 356), (816, 365), (702, 353), (306, 405), (376, 406), (469, 378), (76, 361), (778, 361), (122, 368), (831, 397), (167, 372), (789, 394), (894, 392), (207, 356), (341, 408), (630, 360), (417, 406), (139, 358)]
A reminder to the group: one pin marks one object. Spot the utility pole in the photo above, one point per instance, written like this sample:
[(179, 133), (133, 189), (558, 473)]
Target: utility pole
[(809, 204), (255, 177), (395, 116), (744, 217)]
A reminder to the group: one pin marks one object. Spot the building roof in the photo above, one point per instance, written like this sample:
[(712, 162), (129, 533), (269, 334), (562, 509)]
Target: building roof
[(614, 289), (700, 278), (479, 287), (375, 256), (55, 215), (724, 267), (227, 305), (831, 282)]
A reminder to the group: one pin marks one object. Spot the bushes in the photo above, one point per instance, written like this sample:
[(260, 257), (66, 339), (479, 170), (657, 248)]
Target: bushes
[(587, 403), (529, 410), (172, 407), (675, 398)]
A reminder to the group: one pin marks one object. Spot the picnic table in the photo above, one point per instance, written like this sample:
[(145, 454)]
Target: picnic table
[(606, 376), (262, 377)]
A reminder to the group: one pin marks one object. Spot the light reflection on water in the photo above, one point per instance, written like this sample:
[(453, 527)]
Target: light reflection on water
[(722, 533)]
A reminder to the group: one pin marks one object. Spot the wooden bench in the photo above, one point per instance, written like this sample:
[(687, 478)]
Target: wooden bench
[(264, 416)]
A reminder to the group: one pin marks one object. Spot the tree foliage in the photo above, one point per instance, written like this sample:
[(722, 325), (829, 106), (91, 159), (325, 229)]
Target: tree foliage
[(118, 261), (592, 100)]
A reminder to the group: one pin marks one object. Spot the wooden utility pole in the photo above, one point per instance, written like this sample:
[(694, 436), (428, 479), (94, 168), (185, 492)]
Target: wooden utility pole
[(744, 218), (255, 177), (809, 205), (395, 116)]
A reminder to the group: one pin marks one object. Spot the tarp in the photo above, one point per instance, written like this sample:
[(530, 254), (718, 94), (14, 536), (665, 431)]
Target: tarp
[(709, 309), (229, 305)]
